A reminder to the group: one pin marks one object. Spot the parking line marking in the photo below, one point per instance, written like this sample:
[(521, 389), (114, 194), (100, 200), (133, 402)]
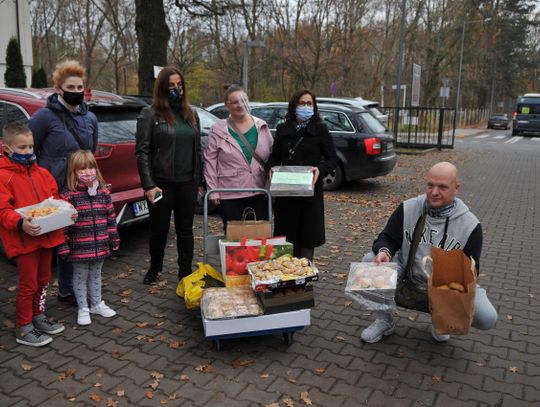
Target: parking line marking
[(482, 136), (500, 137), (513, 140)]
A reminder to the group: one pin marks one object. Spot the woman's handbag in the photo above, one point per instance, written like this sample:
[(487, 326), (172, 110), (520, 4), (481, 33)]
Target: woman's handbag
[(408, 294)]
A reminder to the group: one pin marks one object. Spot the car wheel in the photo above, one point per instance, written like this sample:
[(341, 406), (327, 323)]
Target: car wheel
[(333, 180), (514, 132)]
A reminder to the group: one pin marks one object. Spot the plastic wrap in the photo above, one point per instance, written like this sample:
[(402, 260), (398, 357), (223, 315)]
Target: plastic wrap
[(285, 271), (292, 180), (229, 302), (372, 286)]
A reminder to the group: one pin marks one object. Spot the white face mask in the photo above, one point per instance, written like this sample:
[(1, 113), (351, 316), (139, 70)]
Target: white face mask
[(304, 113)]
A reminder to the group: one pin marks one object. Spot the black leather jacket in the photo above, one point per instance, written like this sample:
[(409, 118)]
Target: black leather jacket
[(155, 149)]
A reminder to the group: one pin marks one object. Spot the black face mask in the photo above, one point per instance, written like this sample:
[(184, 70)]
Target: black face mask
[(73, 98)]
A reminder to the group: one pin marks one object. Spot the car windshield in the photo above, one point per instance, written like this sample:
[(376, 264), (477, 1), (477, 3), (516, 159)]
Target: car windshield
[(372, 123), (116, 125)]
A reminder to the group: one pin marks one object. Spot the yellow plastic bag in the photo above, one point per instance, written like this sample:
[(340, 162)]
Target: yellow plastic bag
[(190, 288)]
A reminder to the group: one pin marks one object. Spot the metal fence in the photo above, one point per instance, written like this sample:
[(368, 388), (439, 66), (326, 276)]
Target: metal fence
[(422, 127)]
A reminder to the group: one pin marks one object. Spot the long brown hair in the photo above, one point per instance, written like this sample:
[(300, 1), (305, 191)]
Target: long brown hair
[(161, 97), (80, 160)]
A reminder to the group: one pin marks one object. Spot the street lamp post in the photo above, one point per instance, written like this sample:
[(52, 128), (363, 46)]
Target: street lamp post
[(247, 45)]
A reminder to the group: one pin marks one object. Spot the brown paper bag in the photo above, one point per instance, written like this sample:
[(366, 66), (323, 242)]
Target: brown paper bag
[(451, 311), (248, 229)]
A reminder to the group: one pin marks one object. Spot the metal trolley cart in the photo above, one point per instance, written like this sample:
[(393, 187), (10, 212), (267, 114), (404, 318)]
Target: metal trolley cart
[(285, 323)]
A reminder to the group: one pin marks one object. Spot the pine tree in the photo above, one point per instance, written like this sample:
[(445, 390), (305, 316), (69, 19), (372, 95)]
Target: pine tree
[(14, 77), (39, 78)]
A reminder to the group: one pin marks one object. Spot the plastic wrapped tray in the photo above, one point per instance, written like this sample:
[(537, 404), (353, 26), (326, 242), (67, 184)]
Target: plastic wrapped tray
[(229, 302), (372, 286), (279, 281), (291, 180)]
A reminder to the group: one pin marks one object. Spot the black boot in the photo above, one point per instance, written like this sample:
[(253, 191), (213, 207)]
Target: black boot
[(151, 276)]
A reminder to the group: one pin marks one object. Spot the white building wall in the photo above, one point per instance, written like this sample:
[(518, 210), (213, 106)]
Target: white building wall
[(8, 29)]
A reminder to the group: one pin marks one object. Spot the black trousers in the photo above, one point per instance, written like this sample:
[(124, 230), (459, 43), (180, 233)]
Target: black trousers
[(178, 197), (232, 209)]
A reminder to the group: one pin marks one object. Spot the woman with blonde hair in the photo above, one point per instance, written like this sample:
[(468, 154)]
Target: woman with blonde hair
[(63, 126), (90, 240)]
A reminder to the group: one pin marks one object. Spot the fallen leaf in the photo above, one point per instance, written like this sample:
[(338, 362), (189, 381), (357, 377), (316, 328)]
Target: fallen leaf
[(348, 303), (71, 372), (156, 375), (61, 377), (289, 402), (12, 288), (121, 393), (207, 368), (320, 370), (513, 369), (26, 367), (95, 397), (72, 399), (112, 402), (304, 396), (124, 300), (173, 396), (479, 364), (242, 362), (126, 293), (530, 295), (150, 394), (293, 381), (184, 377), (340, 338), (142, 324), (509, 317), (8, 323), (272, 405), (154, 385), (436, 379), (264, 376), (98, 385), (176, 344), (163, 401)]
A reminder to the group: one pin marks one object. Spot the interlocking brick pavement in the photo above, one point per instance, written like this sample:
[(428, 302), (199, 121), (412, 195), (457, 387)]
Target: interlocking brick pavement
[(117, 359)]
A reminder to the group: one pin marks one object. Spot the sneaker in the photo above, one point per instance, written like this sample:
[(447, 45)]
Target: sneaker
[(83, 316), (379, 328), (103, 309), (42, 324), (439, 338), (150, 277), (66, 299), (28, 335)]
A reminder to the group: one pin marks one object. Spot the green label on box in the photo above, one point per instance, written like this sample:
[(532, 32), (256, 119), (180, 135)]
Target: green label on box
[(292, 178)]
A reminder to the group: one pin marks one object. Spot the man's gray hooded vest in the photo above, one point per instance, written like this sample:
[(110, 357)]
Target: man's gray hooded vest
[(460, 226)]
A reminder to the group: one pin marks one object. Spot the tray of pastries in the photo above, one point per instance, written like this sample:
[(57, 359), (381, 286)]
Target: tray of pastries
[(284, 271), (229, 302), (370, 276)]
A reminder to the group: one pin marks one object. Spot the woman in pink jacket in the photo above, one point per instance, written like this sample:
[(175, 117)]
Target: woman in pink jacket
[(235, 157)]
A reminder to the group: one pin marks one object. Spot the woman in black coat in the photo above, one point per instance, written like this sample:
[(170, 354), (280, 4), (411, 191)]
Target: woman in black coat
[(303, 140)]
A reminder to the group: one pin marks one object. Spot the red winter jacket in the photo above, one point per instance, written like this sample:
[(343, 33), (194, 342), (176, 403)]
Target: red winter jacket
[(20, 187)]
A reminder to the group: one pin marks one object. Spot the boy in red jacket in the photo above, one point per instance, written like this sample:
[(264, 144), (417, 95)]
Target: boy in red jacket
[(23, 183)]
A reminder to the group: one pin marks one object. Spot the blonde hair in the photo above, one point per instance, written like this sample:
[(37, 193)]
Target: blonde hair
[(80, 160), (66, 69)]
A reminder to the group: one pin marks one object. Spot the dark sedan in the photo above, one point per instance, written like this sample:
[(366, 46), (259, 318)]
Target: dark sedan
[(498, 121), (364, 147)]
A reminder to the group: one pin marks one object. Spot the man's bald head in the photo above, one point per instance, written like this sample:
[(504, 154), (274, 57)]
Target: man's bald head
[(442, 184)]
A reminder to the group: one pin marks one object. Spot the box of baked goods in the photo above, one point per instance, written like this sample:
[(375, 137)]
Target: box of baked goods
[(291, 180), (229, 302), (50, 214), (285, 271), (287, 299), (372, 285)]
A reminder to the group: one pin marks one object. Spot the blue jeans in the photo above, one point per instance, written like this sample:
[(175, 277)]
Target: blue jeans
[(64, 272), (485, 316)]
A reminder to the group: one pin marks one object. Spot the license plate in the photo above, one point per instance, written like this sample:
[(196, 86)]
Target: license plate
[(389, 146), (140, 208)]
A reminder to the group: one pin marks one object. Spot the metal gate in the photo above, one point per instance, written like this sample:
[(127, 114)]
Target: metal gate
[(422, 127)]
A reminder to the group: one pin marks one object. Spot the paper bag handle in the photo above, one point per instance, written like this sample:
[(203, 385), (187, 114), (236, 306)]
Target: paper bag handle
[(248, 211), (424, 263)]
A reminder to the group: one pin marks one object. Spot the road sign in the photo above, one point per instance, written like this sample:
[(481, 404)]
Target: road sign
[(445, 92), (415, 90)]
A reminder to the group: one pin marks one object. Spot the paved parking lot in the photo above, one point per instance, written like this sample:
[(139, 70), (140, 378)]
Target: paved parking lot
[(154, 352)]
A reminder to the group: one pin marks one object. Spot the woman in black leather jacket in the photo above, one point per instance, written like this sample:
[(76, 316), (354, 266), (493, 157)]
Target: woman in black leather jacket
[(168, 159)]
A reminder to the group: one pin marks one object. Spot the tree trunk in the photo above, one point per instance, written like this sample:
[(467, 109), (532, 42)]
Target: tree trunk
[(152, 37)]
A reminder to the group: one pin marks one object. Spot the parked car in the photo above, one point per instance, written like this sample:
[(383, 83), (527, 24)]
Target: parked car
[(115, 154), (357, 102), (527, 115), (364, 147), (498, 121), (221, 111)]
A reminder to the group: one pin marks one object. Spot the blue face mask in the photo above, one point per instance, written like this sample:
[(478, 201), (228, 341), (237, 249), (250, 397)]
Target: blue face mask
[(175, 95), (304, 113), (24, 159)]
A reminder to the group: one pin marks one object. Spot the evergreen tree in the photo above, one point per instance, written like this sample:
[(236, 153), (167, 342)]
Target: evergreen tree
[(15, 77), (39, 78)]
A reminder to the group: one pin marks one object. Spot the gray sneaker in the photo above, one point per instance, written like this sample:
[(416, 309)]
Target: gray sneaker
[(439, 338), (379, 328), (42, 324), (28, 335)]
